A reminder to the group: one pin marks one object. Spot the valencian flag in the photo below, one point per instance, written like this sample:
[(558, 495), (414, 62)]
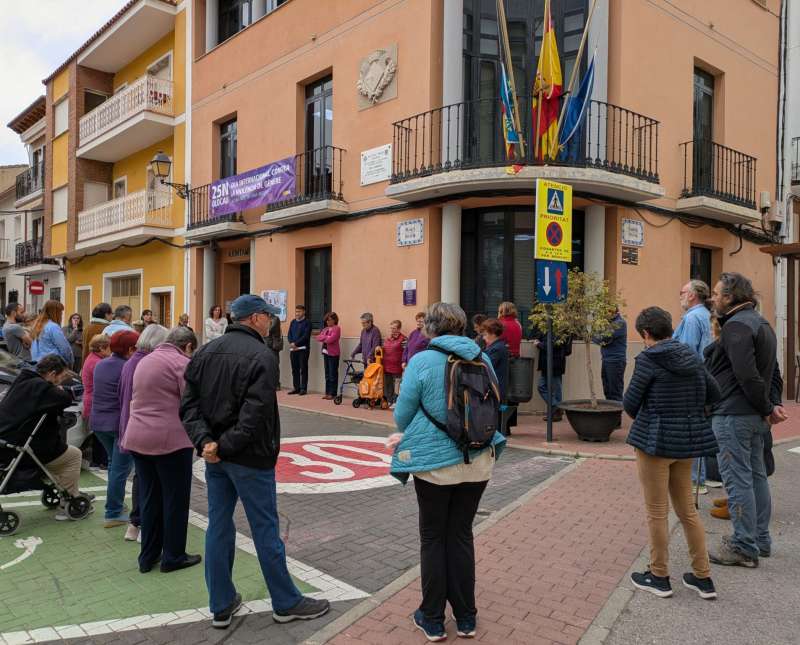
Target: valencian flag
[(510, 133), (547, 88), (574, 126)]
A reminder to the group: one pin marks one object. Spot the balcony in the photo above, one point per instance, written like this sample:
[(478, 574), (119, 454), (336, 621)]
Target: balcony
[(718, 183), (133, 218), (132, 119), (29, 259), (203, 224), (5, 252), (29, 184), (795, 166), (318, 192), (459, 149)]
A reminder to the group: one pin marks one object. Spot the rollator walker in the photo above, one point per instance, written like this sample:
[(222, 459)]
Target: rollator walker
[(19, 477)]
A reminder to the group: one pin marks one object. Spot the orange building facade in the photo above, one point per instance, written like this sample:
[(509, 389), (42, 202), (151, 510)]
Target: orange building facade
[(389, 113)]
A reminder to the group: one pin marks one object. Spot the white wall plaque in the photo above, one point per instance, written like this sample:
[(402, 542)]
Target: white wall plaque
[(410, 232), (376, 165), (632, 232)]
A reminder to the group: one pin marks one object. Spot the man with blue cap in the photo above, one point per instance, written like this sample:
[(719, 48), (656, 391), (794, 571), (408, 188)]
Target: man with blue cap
[(230, 412)]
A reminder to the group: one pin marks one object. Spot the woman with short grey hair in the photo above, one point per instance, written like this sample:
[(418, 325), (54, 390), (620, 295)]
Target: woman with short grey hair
[(369, 340), (152, 336), (448, 489), (162, 452)]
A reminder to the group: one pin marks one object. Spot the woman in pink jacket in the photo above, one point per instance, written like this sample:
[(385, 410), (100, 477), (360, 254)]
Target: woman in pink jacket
[(162, 452), (329, 337)]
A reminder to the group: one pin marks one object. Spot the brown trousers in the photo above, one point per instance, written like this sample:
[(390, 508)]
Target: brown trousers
[(664, 479), (67, 469)]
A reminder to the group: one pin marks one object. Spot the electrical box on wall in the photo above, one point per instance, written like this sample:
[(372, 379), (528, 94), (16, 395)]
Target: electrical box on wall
[(765, 203), (776, 214)]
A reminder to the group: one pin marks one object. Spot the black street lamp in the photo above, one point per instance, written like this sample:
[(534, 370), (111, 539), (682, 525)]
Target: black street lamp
[(162, 165)]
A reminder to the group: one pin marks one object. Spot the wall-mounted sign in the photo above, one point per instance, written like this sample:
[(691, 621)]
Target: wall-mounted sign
[(254, 188), (632, 232), (630, 255), (410, 232), (277, 298), (376, 165), (36, 287), (409, 292)]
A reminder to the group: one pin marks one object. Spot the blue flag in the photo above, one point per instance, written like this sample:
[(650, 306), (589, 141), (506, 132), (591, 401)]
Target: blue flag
[(571, 141)]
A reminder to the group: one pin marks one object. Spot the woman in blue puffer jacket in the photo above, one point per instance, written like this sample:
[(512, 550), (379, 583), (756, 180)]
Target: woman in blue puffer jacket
[(448, 490)]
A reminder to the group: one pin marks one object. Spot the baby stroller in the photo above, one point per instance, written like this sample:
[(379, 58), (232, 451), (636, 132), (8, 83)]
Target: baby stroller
[(352, 376), (18, 477), (370, 388)]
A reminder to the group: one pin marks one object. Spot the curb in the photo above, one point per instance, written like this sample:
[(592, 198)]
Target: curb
[(554, 452), (335, 627)]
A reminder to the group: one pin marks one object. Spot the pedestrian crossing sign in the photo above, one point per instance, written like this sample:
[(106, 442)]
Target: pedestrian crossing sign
[(553, 221)]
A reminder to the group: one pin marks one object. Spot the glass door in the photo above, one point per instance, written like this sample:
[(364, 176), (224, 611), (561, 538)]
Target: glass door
[(319, 137), (703, 109)]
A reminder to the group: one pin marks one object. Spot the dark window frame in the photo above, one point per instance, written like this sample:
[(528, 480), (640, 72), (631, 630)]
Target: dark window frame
[(474, 273), (230, 13), (315, 311), (228, 146), (701, 261)]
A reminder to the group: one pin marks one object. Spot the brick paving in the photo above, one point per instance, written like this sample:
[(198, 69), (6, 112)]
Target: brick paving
[(544, 571)]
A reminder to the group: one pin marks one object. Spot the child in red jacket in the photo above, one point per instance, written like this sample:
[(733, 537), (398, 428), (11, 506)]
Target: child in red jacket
[(393, 360)]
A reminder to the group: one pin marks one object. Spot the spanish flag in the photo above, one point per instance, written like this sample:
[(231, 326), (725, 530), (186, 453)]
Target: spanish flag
[(547, 88)]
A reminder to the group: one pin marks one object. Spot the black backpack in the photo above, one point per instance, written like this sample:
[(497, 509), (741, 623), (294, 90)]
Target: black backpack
[(473, 403)]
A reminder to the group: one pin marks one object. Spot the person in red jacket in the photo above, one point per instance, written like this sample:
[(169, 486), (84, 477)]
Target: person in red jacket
[(393, 360), (512, 330)]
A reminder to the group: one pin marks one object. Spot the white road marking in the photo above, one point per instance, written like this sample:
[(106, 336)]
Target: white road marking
[(29, 545)]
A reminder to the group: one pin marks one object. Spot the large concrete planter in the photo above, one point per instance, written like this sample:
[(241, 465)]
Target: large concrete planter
[(593, 424)]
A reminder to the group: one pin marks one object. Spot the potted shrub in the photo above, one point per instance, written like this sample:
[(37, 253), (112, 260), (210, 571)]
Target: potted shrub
[(585, 315)]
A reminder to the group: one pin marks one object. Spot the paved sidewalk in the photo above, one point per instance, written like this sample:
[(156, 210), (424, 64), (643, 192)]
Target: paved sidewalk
[(545, 570), (531, 432)]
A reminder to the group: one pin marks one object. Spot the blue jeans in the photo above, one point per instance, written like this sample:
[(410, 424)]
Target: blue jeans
[(542, 387), (227, 482), (702, 479), (741, 464), (119, 467)]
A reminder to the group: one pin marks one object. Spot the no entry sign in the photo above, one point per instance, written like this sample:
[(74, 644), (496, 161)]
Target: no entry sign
[(36, 287)]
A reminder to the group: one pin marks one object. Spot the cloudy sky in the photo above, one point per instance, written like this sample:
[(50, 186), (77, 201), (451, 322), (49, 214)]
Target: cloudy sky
[(36, 36)]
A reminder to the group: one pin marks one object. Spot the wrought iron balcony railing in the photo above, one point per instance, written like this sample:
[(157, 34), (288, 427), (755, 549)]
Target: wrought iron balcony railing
[(713, 170), (30, 180), (470, 135)]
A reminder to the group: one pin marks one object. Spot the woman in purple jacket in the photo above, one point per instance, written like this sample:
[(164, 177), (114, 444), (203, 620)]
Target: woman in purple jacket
[(162, 452), (152, 336), (104, 422), (417, 340)]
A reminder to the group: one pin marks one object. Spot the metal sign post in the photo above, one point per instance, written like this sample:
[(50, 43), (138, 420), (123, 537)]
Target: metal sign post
[(549, 351)]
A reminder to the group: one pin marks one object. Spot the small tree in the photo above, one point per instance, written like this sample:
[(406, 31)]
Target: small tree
[(585, 315)]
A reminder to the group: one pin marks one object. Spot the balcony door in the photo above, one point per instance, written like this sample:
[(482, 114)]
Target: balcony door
[(703, 135), (37, 229), (319, 136)]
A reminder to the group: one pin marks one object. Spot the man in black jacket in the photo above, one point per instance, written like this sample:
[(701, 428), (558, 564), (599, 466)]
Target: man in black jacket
[(33, 394), (745, 365), (230, 412)]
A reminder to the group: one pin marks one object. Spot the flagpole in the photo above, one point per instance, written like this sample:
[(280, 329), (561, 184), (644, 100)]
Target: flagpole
[(572, 77), (540, 92), (501, 18)]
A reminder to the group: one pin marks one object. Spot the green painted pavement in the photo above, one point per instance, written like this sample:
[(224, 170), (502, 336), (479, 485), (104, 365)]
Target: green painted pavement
[(82, 573)]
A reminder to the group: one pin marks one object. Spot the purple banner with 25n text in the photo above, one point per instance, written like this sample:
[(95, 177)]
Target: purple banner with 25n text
[(255, 188)]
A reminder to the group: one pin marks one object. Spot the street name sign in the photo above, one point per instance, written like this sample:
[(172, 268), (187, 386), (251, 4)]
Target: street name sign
[(553, 221)]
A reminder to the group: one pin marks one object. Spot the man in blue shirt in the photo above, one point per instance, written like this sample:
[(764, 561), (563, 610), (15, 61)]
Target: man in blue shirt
[(695, 331), (299, 347)]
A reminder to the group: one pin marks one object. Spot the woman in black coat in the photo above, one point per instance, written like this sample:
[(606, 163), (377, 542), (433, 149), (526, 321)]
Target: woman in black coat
[(667, 396)]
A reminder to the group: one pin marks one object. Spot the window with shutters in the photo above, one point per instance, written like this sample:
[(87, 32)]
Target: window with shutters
[(83, 301), (127, 291)]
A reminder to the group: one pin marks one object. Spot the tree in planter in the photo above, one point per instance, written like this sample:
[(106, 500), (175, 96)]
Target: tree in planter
[(585, 315)]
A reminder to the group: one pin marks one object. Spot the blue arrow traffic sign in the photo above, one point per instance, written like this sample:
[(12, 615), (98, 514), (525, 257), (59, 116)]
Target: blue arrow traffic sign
[(551, 281)]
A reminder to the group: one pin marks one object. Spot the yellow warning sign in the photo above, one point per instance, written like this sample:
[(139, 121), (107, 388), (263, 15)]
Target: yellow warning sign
[(553, 223)]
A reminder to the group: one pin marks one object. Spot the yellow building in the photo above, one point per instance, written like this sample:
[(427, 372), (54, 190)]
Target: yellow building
[(111, 107)]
